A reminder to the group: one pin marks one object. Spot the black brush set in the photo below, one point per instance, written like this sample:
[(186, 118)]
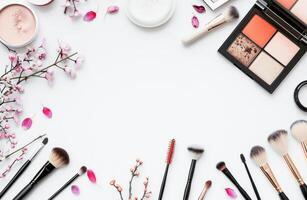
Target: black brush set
[(58, 158)]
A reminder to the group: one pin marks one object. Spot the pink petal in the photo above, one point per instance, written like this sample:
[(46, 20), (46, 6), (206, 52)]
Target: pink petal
[(89, 16), (195, 22), (112, 9), (231, 193), (91, 176), (26, 123), (199, 9), (75, 190), (47, 112)]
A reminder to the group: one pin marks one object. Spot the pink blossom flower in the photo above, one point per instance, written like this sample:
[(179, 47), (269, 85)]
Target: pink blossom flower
[(12, 57)]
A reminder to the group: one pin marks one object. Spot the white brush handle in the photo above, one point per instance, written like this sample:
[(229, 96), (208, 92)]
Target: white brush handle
[(188, 39)]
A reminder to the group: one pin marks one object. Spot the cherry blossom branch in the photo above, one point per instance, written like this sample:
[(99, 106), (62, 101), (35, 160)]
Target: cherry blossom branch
[(8, 169)]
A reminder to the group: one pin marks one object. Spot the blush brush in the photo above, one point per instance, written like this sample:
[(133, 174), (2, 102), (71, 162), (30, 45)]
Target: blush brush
[(299, 132), (222, 167), (258, 154), (279, 142), (169, 160), (58, 158), (23, 169), (82, 170), (196, 153)]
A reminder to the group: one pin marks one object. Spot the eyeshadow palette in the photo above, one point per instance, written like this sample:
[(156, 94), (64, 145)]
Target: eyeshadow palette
[(269, 41)]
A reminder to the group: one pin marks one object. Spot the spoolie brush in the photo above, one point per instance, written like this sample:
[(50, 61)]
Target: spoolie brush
[(222, 167), (258, 154), (23, 168), (299, 132), (250, 177), (82, 170), (169, 159), (58, 158), (279, 142), (196, 153)]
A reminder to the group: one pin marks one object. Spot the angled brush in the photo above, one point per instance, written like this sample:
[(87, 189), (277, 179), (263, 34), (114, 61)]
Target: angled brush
[(299, 132), (279, 142), (169, 159)]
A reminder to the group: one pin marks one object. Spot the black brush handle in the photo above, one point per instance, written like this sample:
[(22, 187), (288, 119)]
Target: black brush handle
[(189, 181), (304, 190), (64, 186), (16, 176), (163, 182), (235, 182), (283, 196), (24, 192)]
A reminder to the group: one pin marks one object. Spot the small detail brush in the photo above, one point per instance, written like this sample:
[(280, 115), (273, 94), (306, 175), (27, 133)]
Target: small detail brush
[(58, 158), (207, 186), (222, 167), (22, 169), (250, 177), (299, 132), (230, 14), (19, 149), (258, 154), (196, 153), (169, 160), (279, 142), (82, 170)]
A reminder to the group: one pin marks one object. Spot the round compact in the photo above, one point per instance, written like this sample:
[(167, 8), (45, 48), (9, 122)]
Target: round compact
[(296, 96), (150, 13), (40, 2), (18, 24)]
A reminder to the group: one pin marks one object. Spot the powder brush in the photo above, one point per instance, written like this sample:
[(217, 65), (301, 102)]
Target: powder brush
[(23, 169), (58, 158), (259, 156), (299, 132), (222, 167), (82, 170), (196, 152), (279, 142), (169, 159), (228, 15), (207, 186)]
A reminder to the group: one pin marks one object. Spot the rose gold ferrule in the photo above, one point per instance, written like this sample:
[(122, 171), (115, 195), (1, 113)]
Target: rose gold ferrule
[(304, 145), (269, 174), (293, 169)]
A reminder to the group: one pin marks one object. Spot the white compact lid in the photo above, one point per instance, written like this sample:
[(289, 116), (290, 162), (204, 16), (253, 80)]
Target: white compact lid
[(40, 2), (150, 13)]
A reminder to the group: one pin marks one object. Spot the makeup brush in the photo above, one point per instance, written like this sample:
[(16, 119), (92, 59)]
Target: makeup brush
[(279, 142), (299, 132), (196, 153), (222, 167), (22, 169), (258, 154), (58, 158), (250, 177), (26, 145), (169, 160), (207, 186), (228, 15), (82, 170)]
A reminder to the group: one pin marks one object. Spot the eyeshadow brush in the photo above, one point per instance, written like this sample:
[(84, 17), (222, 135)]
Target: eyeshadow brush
[(258, 154), (82, 170), (22, 169), (207, 186), (250, 177), (299, 132), (169, 160), (58, 158), (26, 145), (222, 167), (228, 15), (196, 153), (279, 142)]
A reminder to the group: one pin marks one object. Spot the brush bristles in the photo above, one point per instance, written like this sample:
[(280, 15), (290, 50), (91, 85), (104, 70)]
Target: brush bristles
[(82, 170), (196, 152), (45, 141), (299, 130), (208, 184), (58, 157), (221, 166), (170, 152), (231, 13), (279, 141), (258, 155)]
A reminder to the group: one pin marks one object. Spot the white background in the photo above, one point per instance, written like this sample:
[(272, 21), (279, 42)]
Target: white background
[(138, 89)]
